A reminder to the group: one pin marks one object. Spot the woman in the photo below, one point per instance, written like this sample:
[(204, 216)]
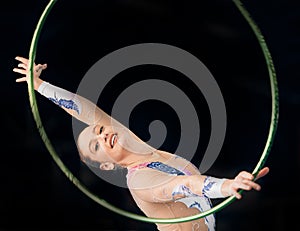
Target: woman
[(162, 184)]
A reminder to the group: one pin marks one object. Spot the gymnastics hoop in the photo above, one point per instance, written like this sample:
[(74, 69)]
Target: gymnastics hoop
[(85, 190)]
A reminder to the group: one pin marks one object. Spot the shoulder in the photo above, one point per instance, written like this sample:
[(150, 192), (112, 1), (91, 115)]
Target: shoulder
[(147, 178)]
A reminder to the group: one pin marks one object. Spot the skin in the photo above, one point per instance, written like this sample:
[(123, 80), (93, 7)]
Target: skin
[(150, 189)]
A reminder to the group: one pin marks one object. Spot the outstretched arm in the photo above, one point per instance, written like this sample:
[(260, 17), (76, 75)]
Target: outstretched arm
[(76, 105), (153, 186)]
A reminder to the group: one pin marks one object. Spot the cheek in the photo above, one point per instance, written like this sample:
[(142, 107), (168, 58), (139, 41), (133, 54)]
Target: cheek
[(117, 153), (102, 156), (105, 154)]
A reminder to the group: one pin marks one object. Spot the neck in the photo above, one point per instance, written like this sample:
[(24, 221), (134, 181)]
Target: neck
[(136, 159), (156, 155)]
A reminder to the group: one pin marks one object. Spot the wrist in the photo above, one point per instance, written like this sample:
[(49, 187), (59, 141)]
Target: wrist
[(226, 188), (37, 83), (212, 187)]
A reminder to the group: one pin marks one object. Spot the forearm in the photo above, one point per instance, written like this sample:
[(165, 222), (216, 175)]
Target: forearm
[(76, 105), (37, 83), (202, 185), (166, 188)]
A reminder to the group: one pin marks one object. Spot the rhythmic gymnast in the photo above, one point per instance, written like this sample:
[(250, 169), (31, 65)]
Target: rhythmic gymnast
[(162, 184)]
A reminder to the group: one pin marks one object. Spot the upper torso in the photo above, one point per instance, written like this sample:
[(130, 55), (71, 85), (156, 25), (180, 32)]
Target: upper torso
[(167, 206)]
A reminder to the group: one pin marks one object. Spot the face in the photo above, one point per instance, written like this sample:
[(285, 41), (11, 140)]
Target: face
[(109, 145), (99, 143)]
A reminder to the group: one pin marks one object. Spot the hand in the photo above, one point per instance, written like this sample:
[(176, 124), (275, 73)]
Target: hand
[(23, 69), (244, 181)]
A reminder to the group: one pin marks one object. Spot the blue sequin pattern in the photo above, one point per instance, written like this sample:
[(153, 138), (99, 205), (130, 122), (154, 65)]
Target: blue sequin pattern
[(69, 104), (183, 191), (207, 185), (164, 168)]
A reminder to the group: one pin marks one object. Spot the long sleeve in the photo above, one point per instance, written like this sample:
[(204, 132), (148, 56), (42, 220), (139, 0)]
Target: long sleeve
[(76, 105), (153, 186)]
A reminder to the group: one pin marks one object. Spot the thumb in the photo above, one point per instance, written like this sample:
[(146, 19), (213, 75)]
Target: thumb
[(40, 67), (44, 66), (262, 172)]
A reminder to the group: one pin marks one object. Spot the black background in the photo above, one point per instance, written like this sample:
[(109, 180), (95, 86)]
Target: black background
[(35, 194)]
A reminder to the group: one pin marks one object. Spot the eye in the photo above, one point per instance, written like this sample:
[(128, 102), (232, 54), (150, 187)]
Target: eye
[(96, 146), (101, 129)]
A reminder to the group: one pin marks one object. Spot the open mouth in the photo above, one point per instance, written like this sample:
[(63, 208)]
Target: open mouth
[(113, 140)]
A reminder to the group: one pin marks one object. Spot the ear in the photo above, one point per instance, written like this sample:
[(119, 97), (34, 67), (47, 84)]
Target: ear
[(107, 166)]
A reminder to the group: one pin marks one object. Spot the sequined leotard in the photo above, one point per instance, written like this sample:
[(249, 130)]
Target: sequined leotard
[(173, 168)]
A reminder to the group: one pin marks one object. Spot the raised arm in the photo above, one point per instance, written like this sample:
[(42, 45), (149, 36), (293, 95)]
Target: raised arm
[(76, 105)]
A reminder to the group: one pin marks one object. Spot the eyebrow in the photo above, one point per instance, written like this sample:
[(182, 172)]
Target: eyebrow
[(94, 128), (91, 142)]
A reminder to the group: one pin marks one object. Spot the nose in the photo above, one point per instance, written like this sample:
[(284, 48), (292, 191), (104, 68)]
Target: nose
[(103, 136)]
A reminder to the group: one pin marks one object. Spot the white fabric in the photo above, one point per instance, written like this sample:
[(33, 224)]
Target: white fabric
[(60, 96), (212, 187)]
